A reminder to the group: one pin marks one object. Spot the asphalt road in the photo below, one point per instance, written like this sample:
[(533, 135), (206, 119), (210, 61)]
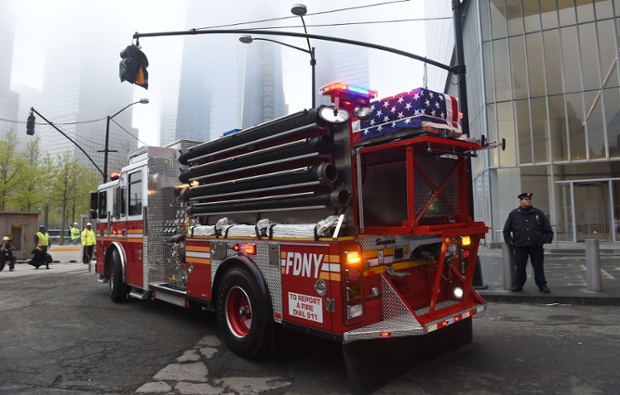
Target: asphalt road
[(61, 334)]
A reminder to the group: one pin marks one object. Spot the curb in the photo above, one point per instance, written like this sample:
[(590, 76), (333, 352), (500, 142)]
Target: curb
[(595, 299)]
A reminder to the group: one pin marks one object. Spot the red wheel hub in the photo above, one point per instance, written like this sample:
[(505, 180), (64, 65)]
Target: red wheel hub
[(238, 312)]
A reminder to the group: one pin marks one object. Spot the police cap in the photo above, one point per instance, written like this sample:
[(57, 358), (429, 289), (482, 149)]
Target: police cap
[(525, 195)]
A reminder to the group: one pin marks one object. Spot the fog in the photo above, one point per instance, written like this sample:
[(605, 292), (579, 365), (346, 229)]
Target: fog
[(389, 74)]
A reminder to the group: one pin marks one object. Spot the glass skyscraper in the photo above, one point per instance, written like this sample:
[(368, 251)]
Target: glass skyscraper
[(543, 74)]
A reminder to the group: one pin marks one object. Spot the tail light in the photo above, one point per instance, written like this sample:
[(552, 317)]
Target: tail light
[(353, 275)]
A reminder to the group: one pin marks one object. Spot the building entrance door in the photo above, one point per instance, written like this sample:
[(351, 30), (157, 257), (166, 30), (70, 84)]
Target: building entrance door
[(592, 210)]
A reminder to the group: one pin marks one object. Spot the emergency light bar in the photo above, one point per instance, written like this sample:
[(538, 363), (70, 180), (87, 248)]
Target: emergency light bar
[(359, 93)]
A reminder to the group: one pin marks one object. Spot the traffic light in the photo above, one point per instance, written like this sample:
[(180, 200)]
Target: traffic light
[(132, 67), (30, 125)]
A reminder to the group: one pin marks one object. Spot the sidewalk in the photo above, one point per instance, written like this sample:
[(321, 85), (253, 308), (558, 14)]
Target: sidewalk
[(566, 273)]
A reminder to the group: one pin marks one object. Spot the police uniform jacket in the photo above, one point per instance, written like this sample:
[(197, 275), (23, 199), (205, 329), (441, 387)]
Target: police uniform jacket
[(527, 228)]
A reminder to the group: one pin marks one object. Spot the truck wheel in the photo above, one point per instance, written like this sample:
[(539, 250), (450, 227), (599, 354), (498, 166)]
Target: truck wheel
[(243, 315), (119, 291)]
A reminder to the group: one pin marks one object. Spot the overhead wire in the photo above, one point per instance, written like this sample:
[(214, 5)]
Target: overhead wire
[(326, 25), (129, 133), (309, 14)]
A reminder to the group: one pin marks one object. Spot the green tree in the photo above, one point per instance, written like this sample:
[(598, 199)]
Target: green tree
[(70, 184), (9, 168), (29, 191)]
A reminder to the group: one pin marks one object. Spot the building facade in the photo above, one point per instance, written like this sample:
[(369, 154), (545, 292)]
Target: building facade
[(79, 92), (9, 100), (225, 84), (544, 76)]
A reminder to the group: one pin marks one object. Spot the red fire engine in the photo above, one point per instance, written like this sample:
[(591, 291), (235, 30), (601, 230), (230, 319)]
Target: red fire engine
[(348, 221)]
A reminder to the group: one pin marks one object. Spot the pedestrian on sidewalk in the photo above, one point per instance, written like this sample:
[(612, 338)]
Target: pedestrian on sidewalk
[(6, 254), (88, 241), (75, 234), (42, 240), (527, 229)]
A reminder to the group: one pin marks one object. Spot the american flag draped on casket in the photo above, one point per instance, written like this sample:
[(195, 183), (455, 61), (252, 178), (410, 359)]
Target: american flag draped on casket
[(416, 111)]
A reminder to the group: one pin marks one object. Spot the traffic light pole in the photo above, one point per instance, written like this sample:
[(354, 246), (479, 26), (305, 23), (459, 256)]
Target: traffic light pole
[(32, 110)]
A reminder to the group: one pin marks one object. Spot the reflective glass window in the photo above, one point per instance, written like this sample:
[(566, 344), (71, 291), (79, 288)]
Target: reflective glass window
[(553, 62), (589, 56), (514, 17), (548, 14), (566, 9), (485, 24), (519, 72), (532, 16), (585, 11), (537, 180), (522, 126), (576, 129), (564, 206), (609, 53), (502, 70), (535, 64), (540, 135), (570, 56), (557, 128), (594, 120), (506, 126), (493, 134), (612, 116), (498, 18), (603, 9), (489, 81)]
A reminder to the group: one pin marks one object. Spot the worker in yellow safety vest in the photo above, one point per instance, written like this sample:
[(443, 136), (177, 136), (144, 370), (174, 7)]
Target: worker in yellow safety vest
[(75, 234), (88, 241), (42, 244)]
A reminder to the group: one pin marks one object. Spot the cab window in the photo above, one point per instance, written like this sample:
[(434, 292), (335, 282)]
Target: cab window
[(135, 193), (123, 201), (103, 204)]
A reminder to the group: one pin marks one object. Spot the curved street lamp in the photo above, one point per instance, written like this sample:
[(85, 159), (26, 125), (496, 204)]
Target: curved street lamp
[(247, 39), (106, 149), (300, 10)]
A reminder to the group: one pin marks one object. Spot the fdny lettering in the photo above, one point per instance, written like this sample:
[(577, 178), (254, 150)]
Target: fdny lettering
[(303, 264)]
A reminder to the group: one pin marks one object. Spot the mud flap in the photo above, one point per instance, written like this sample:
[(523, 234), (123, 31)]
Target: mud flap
[(371, 364)]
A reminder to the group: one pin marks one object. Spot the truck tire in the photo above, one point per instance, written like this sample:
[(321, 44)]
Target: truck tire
[(244, 315), (119, 291)]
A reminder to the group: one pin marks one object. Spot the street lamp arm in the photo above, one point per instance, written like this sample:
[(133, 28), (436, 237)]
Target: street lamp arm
[(127, 106), (281, 43), (106, 148), (68, 138), (300, 35)]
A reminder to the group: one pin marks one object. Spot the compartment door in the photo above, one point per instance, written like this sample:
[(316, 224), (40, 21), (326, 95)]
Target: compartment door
[(302, 266)]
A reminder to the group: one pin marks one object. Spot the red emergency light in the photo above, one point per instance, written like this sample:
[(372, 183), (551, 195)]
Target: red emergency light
[(348, 92)]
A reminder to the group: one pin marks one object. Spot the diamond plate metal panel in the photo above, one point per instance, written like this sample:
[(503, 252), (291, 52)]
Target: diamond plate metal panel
[(397, 319), (161, 179), (271, 273)]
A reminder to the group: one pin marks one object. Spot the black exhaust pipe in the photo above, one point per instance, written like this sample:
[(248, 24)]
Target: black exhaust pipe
[(323, 174), (338, 198), (321, 144)]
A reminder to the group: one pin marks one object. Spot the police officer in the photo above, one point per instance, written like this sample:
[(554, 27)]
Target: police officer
[(527, 229)]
